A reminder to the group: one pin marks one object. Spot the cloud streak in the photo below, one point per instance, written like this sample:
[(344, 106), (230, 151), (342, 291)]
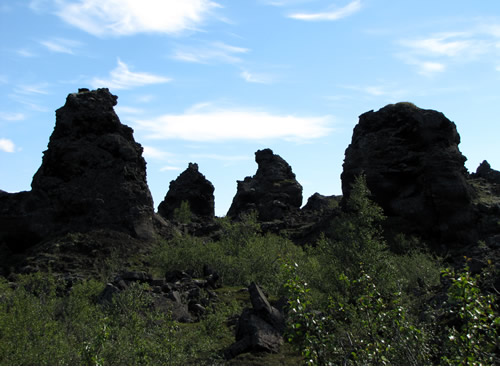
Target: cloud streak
[(60, 45), (128, 17), (434, 53), (329, 15), (205, 124), (12, 116), (212, 52), (122, 78)]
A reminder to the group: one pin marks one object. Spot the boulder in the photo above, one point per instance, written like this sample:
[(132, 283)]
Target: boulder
[(273, 192), (260, 328), (192, 187), (414, 170)]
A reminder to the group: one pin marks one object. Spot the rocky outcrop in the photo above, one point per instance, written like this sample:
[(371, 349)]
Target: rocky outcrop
[(259, 329), (178, 293), (414, 169), (485, 171), (93, 176), (273, 192), (320, 203), (192, 187)]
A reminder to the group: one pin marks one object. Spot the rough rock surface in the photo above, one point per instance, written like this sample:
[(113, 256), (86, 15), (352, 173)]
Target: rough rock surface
[(414, 169), (485, 171), (93, 176), (273, 192), (191, 186), (259, 328)]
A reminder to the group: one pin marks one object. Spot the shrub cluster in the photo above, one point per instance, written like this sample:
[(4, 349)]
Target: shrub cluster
[(354, 298)]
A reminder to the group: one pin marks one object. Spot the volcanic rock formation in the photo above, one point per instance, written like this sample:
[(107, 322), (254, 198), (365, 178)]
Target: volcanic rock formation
[(93, 176), (414, 170), (273, 192), (192, 187), (485, 171)]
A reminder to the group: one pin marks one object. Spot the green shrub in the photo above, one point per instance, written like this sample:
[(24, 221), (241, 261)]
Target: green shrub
[(29, 334), (473, 339), (183, 213), (364, 327), (241, 256)]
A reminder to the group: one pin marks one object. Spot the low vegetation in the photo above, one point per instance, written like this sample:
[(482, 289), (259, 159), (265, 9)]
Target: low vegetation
[(354, 298)]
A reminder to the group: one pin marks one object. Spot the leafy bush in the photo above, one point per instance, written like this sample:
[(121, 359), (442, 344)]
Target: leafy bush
[(42, 325), (364, 327), (473, 338), (183, 213), (241, 256)]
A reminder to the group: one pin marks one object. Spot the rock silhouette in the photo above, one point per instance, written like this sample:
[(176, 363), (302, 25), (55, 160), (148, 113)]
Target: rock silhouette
[(414, 169), (93, 176), (192, 187), (273, 192)]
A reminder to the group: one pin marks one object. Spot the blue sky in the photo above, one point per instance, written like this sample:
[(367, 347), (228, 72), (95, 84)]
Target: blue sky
[(214, 81)]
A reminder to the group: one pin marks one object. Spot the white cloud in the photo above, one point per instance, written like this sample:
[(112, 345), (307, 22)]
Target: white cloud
[(170, 168), (423, 66), (61, 45), (205, 124), (435, 53), (6, 145), (154, 153), (330, 15), (120, 109), (387, 90), (446, 44), (128, 17), (212, 52), (12, 116), (24, 52), (256, 77), (430, 67), (122, 78), (33, 89)]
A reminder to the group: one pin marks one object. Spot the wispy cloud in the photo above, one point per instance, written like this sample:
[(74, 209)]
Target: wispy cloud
[(128, 17), (24, 52), (5, 116), (436, 52), (32, 89), (170, 168), (207, 124), (61, 45), (121, 109), (6, 145), (429, 68), (122, 78), (211, 52), (386, 90), (256, 77), (154, 153), (330, 14), (451, 44)]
